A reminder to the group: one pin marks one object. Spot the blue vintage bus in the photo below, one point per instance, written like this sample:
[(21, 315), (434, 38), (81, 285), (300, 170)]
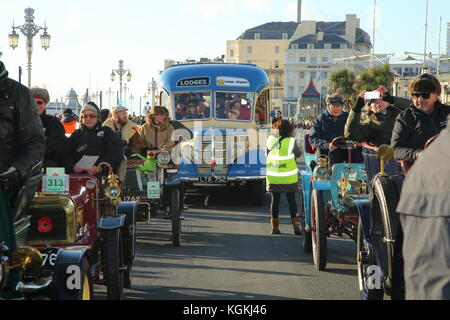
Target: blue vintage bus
[(226, 106)]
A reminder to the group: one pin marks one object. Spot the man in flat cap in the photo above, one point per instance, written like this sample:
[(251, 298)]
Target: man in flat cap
[(424, 119), (127, 129), (94, 140), (55, 134)]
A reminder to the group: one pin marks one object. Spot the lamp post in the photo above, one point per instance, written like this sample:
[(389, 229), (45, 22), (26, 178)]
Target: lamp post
[(396, 82), (29, 30), (121, 72)]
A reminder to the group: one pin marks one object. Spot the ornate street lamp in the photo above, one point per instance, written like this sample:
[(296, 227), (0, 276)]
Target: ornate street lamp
[(29, 30), (121, 72)]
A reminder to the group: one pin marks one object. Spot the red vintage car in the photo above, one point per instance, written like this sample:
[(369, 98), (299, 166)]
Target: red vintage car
[(86, 236)]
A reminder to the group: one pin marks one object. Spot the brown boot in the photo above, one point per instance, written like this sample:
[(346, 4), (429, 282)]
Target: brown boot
[(296, 225), (275, 226)]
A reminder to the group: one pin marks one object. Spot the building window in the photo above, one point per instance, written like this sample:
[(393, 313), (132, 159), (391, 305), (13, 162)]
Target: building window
[(344, 46), (295, 46), (302, 74), (310, 46), (249, 50), (277, 64), (327, 46), (325, 59), (232, 53), (313, 60), (290, 92), (313, 75), (257, 36), (302, 59), (277, 49), (285, 36)]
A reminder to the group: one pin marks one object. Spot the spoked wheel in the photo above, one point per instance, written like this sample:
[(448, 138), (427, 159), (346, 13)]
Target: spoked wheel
[(113, 252), (319, 230), (366, 270), (385, 222), (176, 219), (307, 241)]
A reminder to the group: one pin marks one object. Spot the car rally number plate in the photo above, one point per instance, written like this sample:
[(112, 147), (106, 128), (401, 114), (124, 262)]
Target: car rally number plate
[(153, 191)]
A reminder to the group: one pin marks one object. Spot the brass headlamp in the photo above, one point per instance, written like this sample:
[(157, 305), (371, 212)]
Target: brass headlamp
[(322, 168), (112, 190)]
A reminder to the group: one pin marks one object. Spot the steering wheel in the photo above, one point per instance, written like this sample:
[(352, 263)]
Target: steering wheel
[(343, 143)]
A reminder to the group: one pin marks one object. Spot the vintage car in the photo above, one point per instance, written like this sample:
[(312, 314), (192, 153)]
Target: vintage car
[(151, 181), (226, 106), (21, 226), (84, 234), (379, 240), (328, 199)]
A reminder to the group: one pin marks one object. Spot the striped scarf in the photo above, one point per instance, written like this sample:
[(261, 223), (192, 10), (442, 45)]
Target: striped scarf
[(3, 72)]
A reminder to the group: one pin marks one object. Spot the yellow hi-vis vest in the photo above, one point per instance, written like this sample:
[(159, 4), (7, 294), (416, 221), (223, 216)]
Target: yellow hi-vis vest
[(281, 165)]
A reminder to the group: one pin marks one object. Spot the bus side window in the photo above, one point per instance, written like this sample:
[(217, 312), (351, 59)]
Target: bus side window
[(261, 108)]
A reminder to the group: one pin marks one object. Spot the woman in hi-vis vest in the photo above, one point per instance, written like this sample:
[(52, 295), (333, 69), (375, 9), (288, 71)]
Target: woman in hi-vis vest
[(282, 172)]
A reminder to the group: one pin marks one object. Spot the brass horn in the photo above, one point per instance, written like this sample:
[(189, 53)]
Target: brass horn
[(385, 153)]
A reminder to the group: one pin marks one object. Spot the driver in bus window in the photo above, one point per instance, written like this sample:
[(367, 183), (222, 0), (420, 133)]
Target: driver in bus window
[(181, 106), (192, 110)]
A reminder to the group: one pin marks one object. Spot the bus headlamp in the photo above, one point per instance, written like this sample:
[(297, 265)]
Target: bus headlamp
[(164, 158)]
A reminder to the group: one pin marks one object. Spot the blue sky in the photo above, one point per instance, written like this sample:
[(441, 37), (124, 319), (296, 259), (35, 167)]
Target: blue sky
[(89, 37)]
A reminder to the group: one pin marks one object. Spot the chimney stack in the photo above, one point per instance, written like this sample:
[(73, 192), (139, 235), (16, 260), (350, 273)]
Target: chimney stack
[(299, 11)]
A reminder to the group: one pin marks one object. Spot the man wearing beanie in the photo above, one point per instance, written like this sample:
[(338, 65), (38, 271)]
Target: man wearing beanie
[(424, 119), (94, 140), (21, 147), (55, 138)]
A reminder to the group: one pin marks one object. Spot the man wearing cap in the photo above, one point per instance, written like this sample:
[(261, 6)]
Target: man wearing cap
[(54, 132), (424, 119), (157, 129), (69, 121), (127, 129), (21, 147), (329, 126), (92, 139)]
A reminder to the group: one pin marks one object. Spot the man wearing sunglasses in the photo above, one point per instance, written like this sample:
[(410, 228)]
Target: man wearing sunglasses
[(54, 132), (329, 126), (424, 119), (92, 139)]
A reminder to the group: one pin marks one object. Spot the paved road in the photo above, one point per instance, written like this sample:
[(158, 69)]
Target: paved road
[(228, 253)]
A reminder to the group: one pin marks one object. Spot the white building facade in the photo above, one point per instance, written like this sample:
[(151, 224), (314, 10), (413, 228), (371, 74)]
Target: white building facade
[(316, 50)]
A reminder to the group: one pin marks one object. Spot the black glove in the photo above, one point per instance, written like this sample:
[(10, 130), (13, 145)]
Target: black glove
[(359, 105), (9, 179), (388, 98)]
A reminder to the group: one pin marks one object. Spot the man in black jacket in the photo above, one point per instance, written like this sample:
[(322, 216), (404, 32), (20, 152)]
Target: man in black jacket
[(94, 140), (55, 134), (329, 126), (424, 210), (21, 147), (424, 119)]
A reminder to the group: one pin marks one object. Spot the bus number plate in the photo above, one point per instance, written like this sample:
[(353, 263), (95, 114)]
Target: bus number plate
[(213, 180)]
